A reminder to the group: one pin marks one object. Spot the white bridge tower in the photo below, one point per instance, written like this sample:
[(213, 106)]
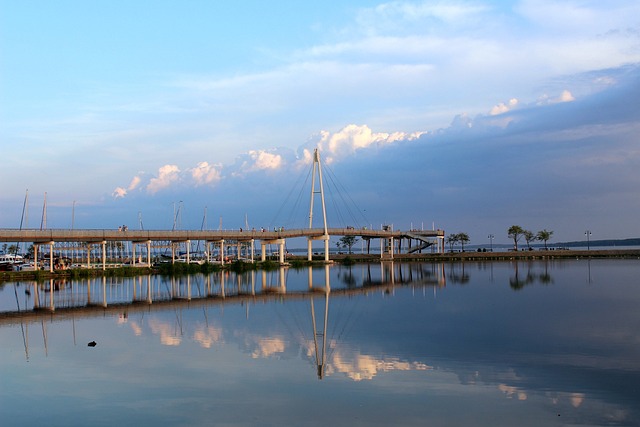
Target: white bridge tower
[(317, 169)]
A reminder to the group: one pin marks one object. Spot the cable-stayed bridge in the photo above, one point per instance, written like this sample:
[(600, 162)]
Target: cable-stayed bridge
[(143, 241), (172, 238)]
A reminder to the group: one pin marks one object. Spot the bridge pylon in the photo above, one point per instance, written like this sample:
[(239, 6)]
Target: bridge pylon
[(317, 170)]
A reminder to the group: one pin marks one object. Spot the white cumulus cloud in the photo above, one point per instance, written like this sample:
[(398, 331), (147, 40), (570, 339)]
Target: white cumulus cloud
[(350, 139), (120, 192), (167, 175), (565, 96), (265, 160), (204, 173), (503, 108), (260, 160)]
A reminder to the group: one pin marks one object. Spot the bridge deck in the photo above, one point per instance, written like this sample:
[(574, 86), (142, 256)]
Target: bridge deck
[(95, 235)]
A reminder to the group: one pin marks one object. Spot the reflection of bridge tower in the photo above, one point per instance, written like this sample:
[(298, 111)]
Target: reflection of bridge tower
[(318, 169), (320, 337)]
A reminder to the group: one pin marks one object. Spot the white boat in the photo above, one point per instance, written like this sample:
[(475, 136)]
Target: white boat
[(9, 262)]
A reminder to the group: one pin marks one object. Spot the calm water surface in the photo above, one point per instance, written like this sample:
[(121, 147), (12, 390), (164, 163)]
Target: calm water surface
[(491, 344)]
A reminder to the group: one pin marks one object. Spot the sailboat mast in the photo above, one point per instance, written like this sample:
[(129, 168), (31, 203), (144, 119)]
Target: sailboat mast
[(25, 211), (73, 215), (43, 221), (204, 220)]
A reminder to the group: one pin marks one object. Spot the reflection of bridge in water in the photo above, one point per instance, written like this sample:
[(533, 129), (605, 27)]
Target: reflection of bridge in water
[(58, 301), (58, 298)]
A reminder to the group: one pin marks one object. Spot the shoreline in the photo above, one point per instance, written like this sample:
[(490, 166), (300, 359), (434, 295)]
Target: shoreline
[(295, 261), (500, 255)]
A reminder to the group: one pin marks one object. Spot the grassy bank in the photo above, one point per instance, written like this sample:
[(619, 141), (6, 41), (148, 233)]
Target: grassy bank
[(168, 269)]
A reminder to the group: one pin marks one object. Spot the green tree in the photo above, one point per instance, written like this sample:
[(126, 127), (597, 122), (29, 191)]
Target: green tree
[(452, 240), (515, 232), (463, 238), (347, 242), (529, 237), (544, 236)]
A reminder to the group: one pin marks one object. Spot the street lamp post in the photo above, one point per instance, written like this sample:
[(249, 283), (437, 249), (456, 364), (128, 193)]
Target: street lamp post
[(588, 234), (491, 241)]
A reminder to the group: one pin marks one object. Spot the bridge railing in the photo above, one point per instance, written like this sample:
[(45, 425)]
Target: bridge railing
[(99, 235)]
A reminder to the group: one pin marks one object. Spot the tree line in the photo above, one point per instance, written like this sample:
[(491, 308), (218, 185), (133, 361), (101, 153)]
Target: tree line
[(454, 239), (514, 232)]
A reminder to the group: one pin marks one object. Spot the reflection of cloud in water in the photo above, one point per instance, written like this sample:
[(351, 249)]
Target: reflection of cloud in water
[(556, 398), (136, 328), (268, 347), (577, 399), (504, 378), (359, 366), (264, 347), (165, 330), (364, 367), (208, 335), (512, 391)]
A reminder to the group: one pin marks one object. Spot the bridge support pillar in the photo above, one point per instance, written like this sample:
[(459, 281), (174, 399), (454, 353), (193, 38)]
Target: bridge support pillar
[(104, 255), (326, 249), (279, 242), (310, 240), (88, 255), (386, 247), (51, 259), (210, 247)]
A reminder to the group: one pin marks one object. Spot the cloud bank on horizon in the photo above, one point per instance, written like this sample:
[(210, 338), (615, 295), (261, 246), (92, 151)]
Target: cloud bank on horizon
[(470, 116)]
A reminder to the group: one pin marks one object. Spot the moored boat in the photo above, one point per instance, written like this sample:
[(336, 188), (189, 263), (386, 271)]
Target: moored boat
[(9, 262)]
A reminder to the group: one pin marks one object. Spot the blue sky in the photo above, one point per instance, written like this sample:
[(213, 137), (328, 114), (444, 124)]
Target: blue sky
[(470, 115)]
